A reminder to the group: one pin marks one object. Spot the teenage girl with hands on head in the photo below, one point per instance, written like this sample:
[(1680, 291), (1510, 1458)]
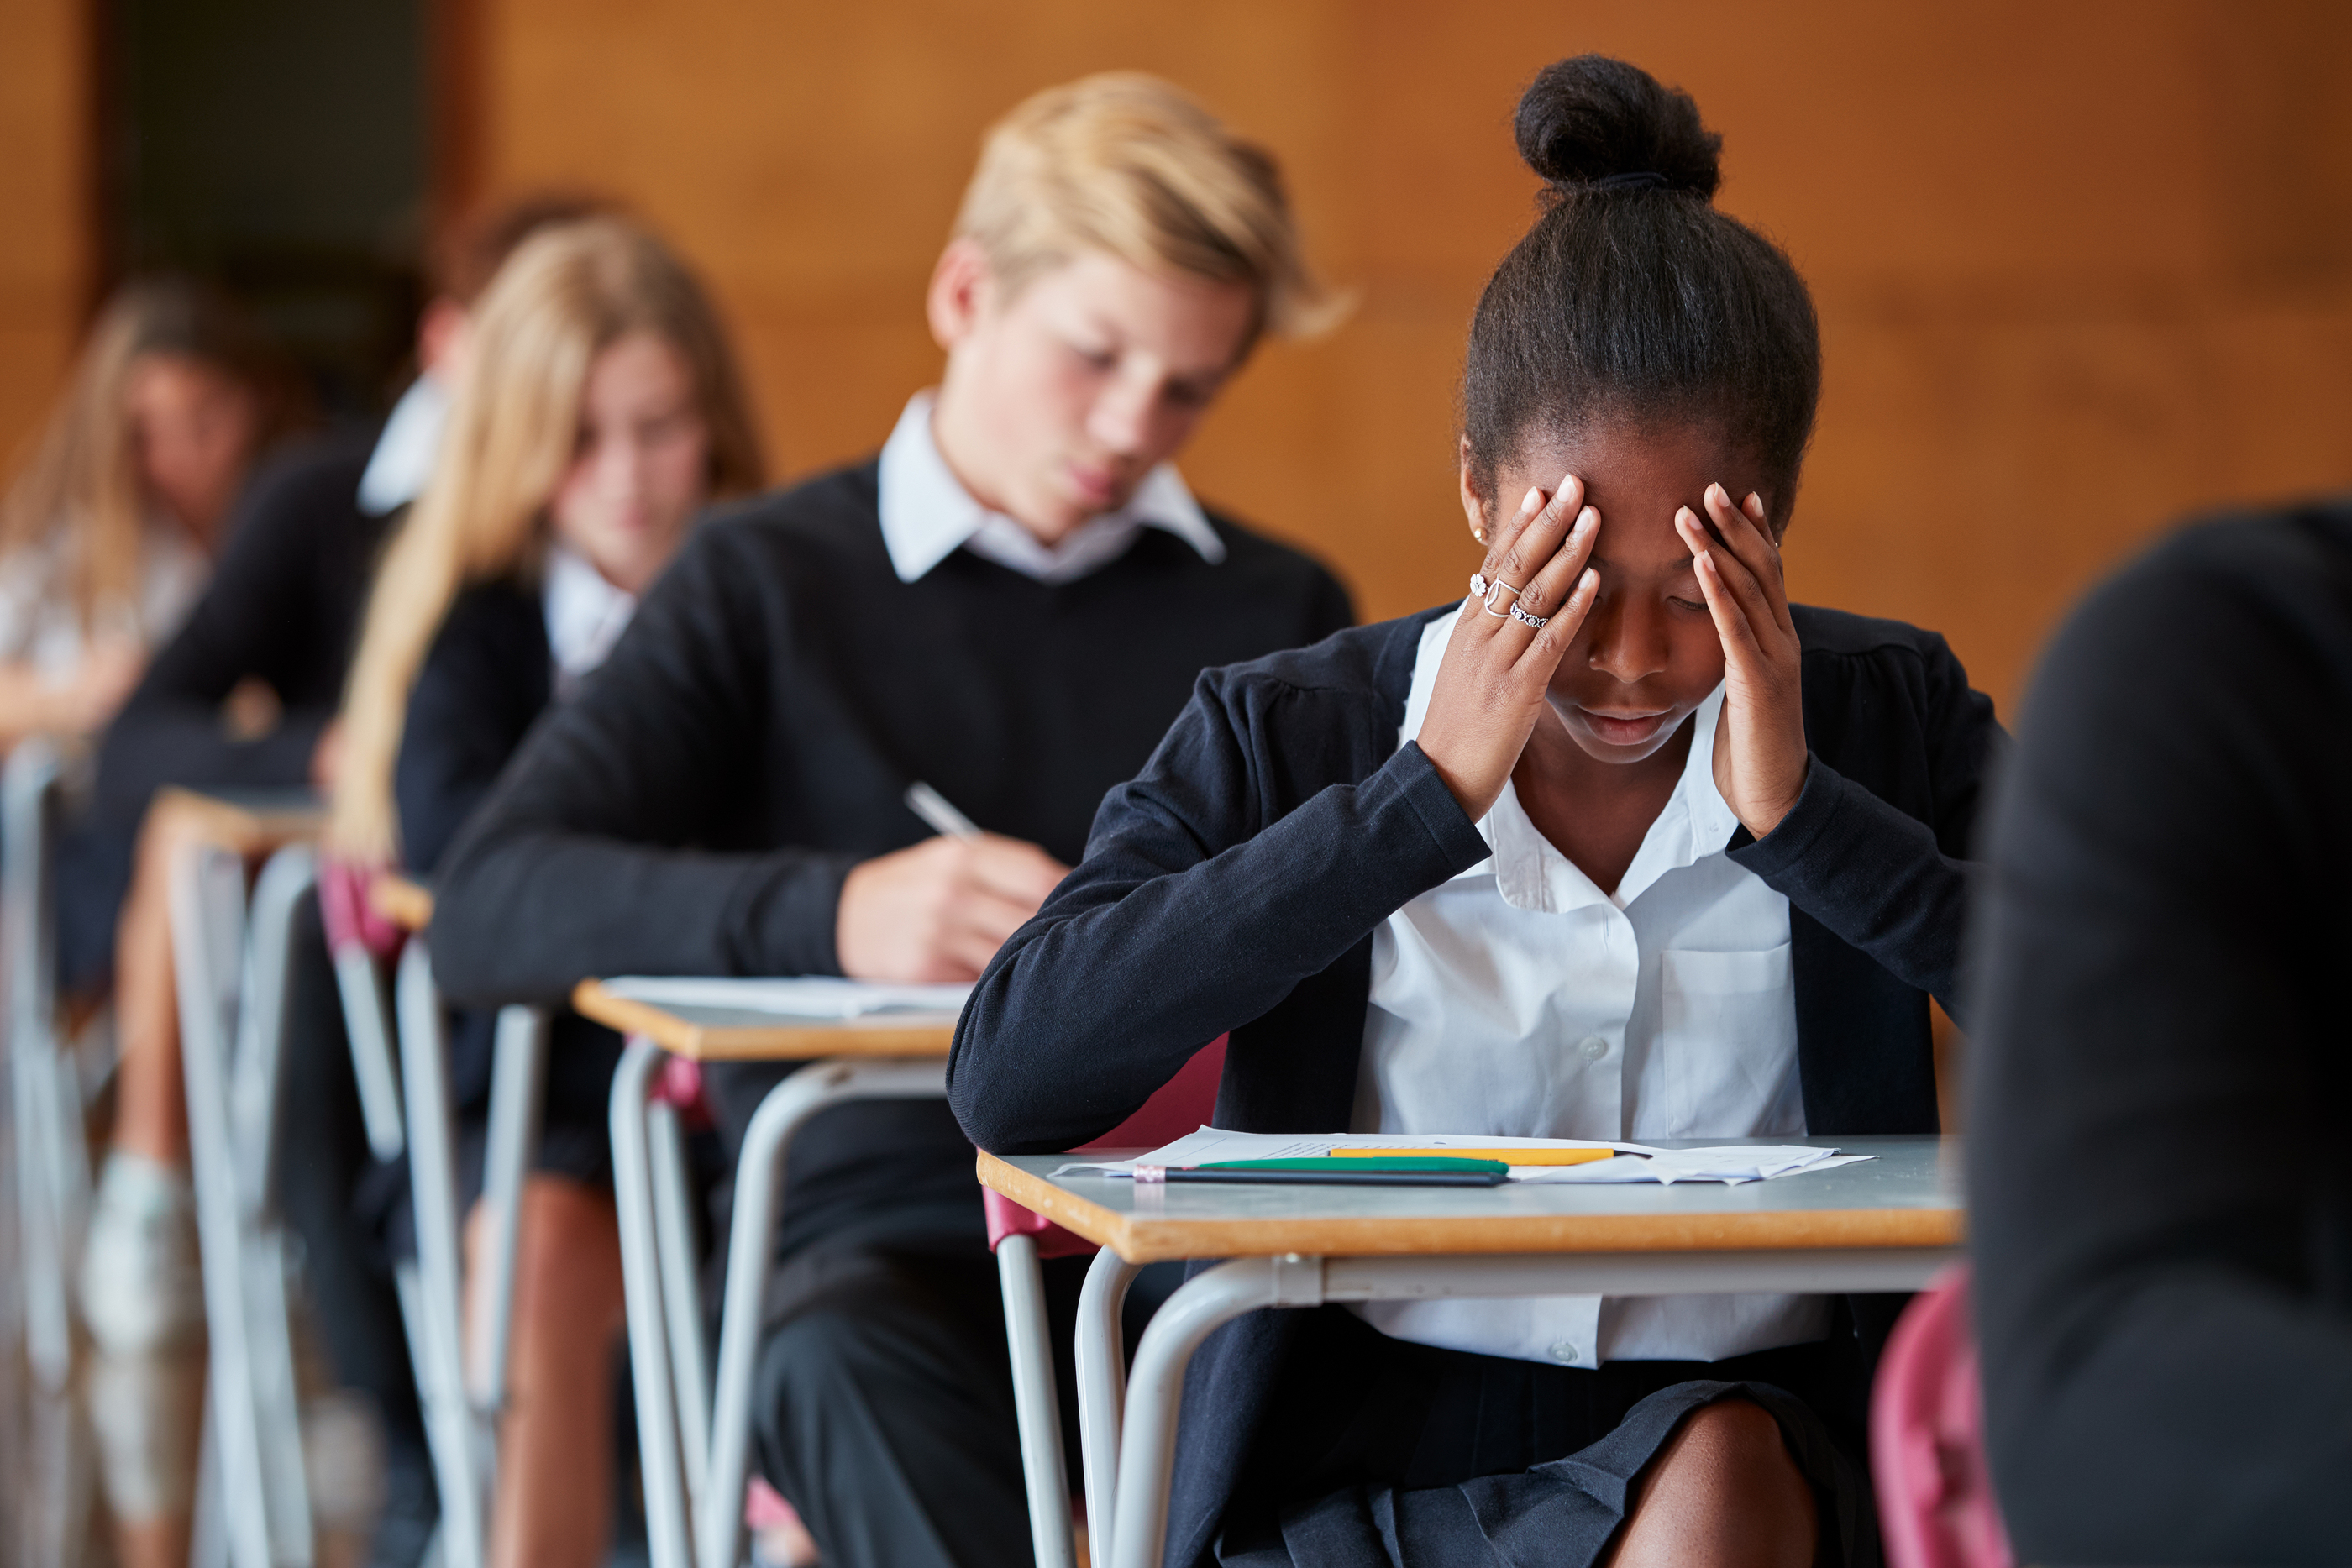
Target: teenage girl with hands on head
[(1624, 846)]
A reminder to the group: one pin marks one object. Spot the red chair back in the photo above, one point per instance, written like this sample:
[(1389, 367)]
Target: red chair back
[(1935, 1503), (1175, 1108), (351, 917)]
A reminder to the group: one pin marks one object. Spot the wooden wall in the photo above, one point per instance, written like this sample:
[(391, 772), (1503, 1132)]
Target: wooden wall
[(46, 258), (2083, 267)]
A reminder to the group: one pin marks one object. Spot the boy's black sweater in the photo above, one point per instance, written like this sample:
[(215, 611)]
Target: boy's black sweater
[(693, 808)]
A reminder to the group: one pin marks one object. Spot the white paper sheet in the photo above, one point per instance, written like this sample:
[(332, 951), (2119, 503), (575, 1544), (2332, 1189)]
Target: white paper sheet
[(809, 997), (1635, 1162)]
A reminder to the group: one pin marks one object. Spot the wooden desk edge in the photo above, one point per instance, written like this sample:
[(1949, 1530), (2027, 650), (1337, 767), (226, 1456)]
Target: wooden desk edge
[(1141, 1239), (238, 828), (779, 1042), (405, 903)]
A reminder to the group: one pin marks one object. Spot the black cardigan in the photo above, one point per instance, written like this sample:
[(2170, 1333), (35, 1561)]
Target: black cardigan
[(1236, 884), (2160, 1206), (282, 607)]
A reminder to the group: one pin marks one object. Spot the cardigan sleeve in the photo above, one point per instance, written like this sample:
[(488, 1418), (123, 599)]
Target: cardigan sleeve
[(1889, 883), (590, 857), (1192, 913), (258, 617)]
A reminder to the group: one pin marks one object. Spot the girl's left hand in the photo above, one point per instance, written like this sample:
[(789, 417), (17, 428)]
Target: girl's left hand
[(1760, 743)]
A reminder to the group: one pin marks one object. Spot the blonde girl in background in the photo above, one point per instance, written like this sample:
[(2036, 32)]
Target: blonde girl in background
[(601, 409), (108, 531)]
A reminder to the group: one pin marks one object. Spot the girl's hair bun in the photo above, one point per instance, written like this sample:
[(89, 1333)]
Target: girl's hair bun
[(1592, 119)]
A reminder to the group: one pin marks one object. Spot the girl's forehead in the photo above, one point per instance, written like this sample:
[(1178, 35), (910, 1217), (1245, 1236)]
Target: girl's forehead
[(1678, 459)]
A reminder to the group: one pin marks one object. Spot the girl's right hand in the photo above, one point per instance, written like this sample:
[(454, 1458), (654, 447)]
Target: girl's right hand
[(1490, 688)]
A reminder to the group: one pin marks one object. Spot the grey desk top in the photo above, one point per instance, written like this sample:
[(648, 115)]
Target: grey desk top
[(1907, 1196)]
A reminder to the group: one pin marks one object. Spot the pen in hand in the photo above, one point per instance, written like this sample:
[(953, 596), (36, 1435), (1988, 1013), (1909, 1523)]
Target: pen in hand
[(932, 807)]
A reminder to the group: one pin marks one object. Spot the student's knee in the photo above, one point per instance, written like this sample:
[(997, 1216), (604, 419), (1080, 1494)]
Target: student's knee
[(1733, 1436)]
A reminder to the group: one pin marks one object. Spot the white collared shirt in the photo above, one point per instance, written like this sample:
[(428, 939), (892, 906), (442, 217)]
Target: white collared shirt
[(585, 614), (1518, 1000), (927, 515), (405, 451)]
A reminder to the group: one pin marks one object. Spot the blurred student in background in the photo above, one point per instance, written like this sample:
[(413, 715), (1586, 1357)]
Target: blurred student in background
[(268, 644), (107, 537), (1009, 603), (2159, 1206), (599, 410), (108, 533)]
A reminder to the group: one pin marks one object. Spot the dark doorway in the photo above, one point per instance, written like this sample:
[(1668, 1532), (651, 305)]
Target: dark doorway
[(281, 149)]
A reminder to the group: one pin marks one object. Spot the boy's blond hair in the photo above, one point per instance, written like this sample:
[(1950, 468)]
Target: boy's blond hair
[(1127, 163)]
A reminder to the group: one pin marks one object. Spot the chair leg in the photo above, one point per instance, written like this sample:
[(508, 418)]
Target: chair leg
[(1029, 1337)]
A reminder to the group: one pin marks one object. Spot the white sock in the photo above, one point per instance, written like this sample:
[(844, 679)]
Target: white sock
[(137, 1188)]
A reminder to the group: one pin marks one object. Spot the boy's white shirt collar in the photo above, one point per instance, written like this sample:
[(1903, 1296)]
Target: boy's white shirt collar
[(927, 515), (1528, 871)]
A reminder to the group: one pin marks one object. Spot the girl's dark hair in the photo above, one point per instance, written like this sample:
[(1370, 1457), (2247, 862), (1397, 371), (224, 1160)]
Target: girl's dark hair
[(1632, 298)]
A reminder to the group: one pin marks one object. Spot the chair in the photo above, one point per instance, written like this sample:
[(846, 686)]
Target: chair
[(1936, 1502), (1022, 1240)]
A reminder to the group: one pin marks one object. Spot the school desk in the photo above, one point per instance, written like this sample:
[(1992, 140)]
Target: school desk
[(688, 1420), (1884, 1224), (230, 957)]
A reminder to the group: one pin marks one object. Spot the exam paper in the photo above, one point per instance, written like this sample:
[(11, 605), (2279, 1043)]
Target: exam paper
[(809, 997), (1634, 1161)]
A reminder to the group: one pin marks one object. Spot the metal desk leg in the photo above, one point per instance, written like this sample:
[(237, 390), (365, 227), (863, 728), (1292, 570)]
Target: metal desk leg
[(1028, 1337), (518, 1080), (1102, 1385), (759, 1190), (253, 1081), (433, 1197), (1206, 1303), (207, 921), (649, 1367), (52, 1162), (689, 1353)]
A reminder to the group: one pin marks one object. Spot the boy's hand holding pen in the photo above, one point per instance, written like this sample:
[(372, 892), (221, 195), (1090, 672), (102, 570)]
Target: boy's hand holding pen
[(938, 911)]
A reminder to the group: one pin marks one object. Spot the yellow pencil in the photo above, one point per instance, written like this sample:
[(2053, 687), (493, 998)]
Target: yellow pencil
[(1508, 1156)]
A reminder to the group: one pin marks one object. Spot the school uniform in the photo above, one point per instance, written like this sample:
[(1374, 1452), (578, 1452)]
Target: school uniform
[(2159, 1212), (1291, 869), (695, 809)]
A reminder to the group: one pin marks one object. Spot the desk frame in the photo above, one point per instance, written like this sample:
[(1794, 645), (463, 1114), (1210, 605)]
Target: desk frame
[(1127, 1425), (696, 1460)]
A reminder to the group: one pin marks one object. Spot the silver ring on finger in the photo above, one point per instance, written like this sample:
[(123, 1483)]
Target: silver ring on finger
[(1537, 622), (1496, 590)]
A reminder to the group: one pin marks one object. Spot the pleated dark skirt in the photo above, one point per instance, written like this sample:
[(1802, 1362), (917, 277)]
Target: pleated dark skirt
[(1383, 1454)]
